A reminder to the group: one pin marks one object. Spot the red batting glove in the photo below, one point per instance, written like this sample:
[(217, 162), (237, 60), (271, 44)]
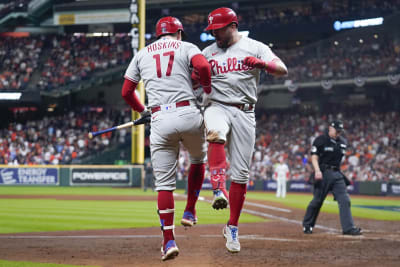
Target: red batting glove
[(195, 76), (254, 62), (207, 89), (195, 80)]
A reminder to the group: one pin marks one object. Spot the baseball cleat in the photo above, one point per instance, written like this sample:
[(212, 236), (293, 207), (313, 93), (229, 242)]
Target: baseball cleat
[(353, 231), (171, 251), (220, 201), (231, 234), (307, 229), (188, 219)]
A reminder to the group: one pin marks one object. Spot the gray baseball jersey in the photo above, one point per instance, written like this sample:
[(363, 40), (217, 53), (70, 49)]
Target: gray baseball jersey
[(233, 82), (164, 66)]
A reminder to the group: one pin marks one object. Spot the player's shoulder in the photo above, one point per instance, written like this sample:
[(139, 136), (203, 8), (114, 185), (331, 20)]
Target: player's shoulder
[(342, 140), (253, 41), (209, 48), (320, 139), (189, 45)]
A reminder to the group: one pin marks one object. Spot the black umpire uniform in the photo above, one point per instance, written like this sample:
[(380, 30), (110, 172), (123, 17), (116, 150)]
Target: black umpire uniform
[(326, 155)]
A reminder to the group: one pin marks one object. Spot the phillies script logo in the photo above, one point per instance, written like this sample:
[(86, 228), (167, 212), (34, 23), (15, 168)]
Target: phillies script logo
[(232, 64)]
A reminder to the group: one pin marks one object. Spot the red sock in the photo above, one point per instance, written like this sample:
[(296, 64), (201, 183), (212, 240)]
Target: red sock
[(195, 181), (217, 165), (237, 194), (165, 210)]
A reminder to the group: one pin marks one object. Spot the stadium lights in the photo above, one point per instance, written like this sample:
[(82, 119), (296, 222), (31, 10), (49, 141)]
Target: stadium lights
[(10, 96), (337, 25)]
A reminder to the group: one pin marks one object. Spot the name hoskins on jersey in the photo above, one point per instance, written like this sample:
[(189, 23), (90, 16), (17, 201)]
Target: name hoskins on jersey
[(165, 69), (165, 45)]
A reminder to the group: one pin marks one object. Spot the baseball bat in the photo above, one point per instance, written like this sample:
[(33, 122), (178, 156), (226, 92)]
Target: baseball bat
[(141, 120)]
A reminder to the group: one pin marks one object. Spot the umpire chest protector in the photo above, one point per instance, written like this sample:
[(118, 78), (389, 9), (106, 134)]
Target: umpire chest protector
[(330, 151)]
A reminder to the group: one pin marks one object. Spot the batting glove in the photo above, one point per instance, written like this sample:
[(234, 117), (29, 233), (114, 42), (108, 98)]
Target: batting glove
[(254, 62), (145, 112), (195, 79)]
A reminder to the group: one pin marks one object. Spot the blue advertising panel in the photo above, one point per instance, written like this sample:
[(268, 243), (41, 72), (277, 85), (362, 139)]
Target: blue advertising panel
[(29, 176), (206, 184), (299, 186)]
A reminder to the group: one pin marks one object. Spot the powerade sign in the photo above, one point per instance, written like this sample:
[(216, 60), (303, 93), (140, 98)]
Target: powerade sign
[(100, 176), (28, 176)]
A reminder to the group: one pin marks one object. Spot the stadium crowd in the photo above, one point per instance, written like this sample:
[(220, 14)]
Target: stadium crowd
[(373, 152), (75, 58), (71, 59), (19, 58), (348, 58), (263, 15), (373, 138), (60, 139)]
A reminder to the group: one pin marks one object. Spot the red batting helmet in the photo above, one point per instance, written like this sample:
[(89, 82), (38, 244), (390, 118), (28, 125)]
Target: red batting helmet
[(168, 25), (220, 18)]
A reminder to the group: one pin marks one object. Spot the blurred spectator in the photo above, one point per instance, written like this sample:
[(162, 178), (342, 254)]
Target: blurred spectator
[(75, 58), (19, 57), (373, 154), (58, 140)]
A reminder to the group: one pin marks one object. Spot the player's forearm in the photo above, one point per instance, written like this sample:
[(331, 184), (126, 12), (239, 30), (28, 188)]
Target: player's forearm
[(202, 67), (314, 162), (130, 97), (276, 68)]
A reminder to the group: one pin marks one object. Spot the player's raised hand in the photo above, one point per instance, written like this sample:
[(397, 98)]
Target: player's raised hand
[(254, 62)]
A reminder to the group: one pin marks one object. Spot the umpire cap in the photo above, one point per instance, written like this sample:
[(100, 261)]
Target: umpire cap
[(338, 125)]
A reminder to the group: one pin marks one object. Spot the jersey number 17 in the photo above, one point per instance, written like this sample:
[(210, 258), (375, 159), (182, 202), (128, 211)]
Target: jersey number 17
[(157, 57)]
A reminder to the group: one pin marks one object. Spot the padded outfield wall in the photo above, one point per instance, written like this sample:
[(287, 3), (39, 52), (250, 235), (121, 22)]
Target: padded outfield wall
[(73, 175), (133, 176)]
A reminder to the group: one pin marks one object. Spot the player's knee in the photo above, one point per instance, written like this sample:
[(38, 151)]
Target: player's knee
[(215, 137), (240, 180)]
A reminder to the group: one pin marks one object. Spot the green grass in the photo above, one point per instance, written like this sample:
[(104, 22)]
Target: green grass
[(32, 264), (42, 215), (330, 206)]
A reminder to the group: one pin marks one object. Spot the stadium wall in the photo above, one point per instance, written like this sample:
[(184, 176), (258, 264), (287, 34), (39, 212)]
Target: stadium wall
[(133, 176), (72, 175)]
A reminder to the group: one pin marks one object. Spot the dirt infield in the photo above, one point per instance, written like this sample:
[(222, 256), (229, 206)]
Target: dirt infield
[(278, 242)]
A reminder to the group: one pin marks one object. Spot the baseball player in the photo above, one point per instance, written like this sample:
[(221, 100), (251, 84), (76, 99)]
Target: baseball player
[(236, 62), (165, 67), (281, 174)]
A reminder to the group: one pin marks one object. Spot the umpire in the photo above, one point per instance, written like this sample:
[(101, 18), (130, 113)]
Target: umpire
[(326, 155)]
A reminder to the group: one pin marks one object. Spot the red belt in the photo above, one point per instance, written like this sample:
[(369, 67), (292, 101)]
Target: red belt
[(183, 103)]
